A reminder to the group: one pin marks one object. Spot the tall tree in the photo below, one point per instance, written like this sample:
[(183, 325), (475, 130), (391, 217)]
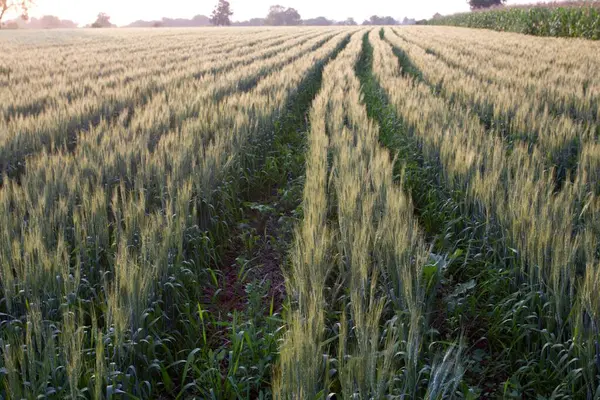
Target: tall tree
[(279, 15), (102, 21), (221, 13), (349, 21), (479, 4), (21, 5)]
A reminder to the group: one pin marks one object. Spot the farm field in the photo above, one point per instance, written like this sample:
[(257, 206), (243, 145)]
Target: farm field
[(299, 213), (574, 19)]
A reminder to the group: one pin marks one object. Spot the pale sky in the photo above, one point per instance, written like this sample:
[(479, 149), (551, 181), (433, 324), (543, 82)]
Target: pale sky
[(123, 12)]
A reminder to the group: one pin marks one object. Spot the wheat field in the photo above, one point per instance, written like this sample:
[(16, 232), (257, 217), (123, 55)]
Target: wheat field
[(299, 213)]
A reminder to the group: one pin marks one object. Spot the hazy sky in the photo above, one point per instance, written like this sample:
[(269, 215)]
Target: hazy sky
[(126, 11)]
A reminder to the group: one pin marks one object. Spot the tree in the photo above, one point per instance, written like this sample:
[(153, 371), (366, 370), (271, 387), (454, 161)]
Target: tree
[(319, 21), (376, 20), (350, 21), (279, 15), (102, 21), (221, 13), (48, 22), (479, 4), (21, 5)]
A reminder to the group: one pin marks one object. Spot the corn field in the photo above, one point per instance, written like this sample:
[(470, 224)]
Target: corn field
[(574, 19), (299, 213)]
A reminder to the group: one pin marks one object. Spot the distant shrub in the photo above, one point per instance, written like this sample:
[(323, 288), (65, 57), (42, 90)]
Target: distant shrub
[(10, 25), (575, 20)]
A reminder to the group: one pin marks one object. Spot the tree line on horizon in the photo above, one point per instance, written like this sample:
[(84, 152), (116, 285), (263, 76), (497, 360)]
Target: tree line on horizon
[(44, 22), (282, 16), (287, 16), (278, 16)]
